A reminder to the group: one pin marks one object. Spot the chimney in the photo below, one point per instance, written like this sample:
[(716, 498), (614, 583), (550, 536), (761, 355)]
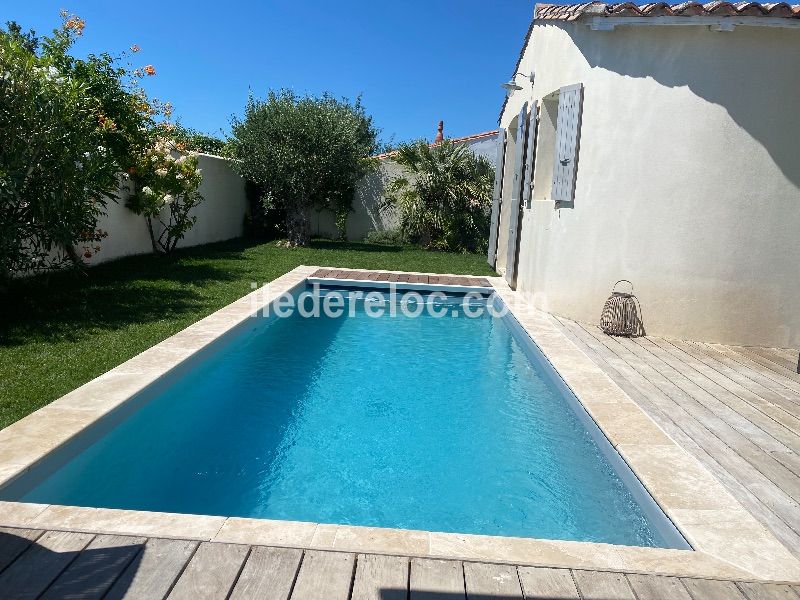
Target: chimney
[(439, 133)]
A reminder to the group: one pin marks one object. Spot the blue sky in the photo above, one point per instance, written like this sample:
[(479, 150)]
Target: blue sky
[(414, 61)]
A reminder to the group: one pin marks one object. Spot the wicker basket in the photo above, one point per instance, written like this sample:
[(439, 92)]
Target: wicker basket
[(622, 313)]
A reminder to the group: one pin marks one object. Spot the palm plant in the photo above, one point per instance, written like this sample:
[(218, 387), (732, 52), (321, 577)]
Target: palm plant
[(444, 201)]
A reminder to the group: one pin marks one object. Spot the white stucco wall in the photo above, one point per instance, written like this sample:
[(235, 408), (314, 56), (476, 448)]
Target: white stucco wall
[(688, 180), (367, 213), (219, 217)]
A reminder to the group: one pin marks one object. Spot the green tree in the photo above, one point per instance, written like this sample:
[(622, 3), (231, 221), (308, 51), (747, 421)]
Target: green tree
[(187, 138), (304, 151), (444, 201), (68, 129)]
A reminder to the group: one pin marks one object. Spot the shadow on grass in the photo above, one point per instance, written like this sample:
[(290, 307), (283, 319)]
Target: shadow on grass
[(113, 295), (320, 244)]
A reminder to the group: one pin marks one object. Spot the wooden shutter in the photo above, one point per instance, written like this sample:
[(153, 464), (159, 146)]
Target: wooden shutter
[(530, 155), (497, 196), (568, 126), (516, 195)]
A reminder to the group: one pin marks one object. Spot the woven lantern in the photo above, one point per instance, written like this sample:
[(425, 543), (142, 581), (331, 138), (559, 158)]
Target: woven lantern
[(622, 313)]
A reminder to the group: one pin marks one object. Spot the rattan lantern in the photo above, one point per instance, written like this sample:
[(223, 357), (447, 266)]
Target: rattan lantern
[(622, 313)]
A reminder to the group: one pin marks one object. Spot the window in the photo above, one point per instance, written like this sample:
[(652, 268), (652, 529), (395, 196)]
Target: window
[(557, 146)]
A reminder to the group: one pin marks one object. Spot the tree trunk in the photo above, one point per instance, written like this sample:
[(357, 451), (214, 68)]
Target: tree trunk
[(298, 226), (156, 249)]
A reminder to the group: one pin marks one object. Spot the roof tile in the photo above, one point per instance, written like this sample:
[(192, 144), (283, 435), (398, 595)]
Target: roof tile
[(718, 8)]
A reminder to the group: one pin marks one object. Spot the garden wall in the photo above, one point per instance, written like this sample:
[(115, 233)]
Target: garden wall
[(219, 217), (367, 214)]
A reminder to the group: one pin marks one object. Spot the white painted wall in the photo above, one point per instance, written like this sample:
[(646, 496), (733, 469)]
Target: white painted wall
[(219, 217), (367, 213), (688, 180)]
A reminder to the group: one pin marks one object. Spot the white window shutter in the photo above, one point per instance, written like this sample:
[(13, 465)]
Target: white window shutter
[(496, 196), (568, 125), (516, 195), (530, 155)]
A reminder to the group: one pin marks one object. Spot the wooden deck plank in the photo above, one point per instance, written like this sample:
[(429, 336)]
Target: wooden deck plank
[(703, 407), (778, 423), (96, 569), (765, 500), (787, 371), (380, 578), (759, 365), (778, 356), (433, 579), (268, 574), (487, 581), (768, 591), (727, 357), (152, 574), (705, 589), (547, 584), (655, 587), (324, 576), (770, 402), (731, 409), (14, 542), (598, 585), (37, 567), (718, 439), (211, 573)]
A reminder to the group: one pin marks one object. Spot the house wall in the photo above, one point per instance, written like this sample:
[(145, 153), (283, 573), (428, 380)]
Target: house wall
[(688, 180), (219, 217)]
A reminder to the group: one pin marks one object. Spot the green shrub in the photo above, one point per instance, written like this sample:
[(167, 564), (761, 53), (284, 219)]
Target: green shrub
[(303, 152), (444, 203), (70, 127), (388, 237)]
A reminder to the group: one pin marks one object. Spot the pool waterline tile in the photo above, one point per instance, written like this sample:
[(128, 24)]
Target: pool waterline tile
[(700, 506)]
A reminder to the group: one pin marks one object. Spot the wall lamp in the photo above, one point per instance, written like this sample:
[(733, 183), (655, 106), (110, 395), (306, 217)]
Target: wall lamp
[(511, 86)]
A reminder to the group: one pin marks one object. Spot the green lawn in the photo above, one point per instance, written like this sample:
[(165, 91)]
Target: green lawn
[(57, 334)]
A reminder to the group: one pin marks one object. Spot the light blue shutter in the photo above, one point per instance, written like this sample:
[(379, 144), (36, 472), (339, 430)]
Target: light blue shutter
[(496, 197), (516, 195), (530, 156), (567, 138)]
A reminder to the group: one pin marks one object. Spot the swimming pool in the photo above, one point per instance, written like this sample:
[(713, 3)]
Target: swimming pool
[(448, 423)]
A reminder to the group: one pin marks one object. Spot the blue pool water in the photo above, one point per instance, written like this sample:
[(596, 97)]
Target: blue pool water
[(441, 424)]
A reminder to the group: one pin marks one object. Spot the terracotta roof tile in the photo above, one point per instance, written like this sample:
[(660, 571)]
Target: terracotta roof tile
[(572, 12), (458, 140)]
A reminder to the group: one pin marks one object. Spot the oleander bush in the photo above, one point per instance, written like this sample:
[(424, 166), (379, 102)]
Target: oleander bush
[(71, 129)]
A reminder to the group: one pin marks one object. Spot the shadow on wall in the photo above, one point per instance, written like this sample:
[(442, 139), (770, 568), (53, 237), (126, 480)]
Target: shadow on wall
[(752, 74), (67, 565)]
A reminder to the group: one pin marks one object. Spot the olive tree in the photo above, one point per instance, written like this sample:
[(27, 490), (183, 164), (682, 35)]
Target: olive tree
[(302, 152)]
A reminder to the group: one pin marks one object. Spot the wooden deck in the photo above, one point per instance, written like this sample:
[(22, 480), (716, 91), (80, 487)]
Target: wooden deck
[(737, 409), (63, 564), (402, 277)]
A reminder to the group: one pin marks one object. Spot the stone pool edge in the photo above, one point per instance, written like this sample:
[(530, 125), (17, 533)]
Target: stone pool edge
[(728, 542)]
